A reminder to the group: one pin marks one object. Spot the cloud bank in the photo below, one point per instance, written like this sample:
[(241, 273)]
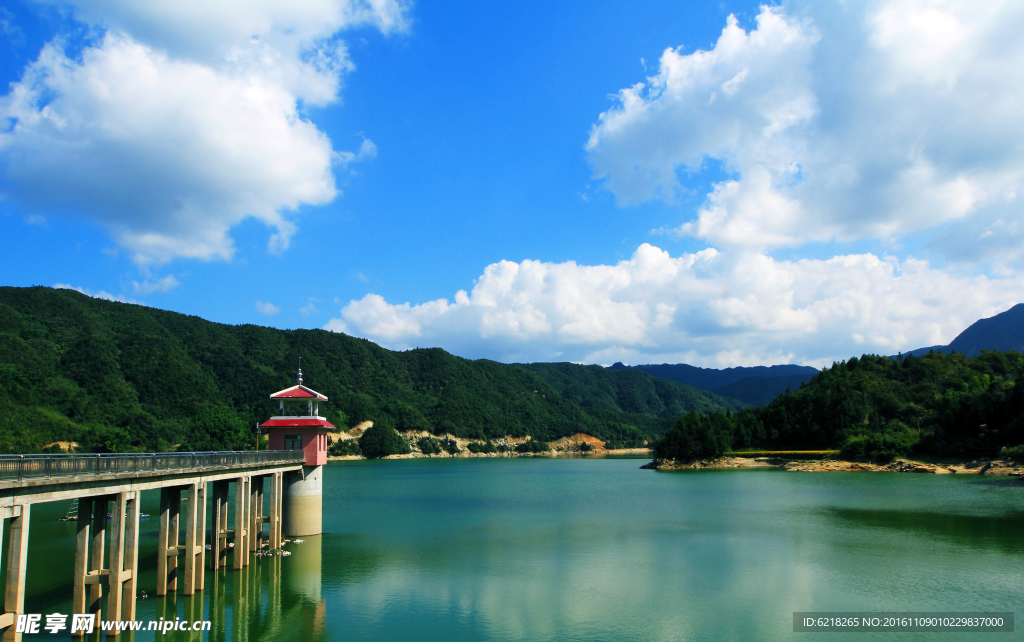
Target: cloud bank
[(853, 121), (183, 119), (708, 308)]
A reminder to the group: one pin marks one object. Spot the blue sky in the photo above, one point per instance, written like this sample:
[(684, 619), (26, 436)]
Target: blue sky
[(795, 183)]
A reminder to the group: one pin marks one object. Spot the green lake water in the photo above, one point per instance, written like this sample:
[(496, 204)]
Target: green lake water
[(595, 549)]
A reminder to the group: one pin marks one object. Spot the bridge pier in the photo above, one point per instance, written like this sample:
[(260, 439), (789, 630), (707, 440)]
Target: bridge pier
[(17, 556), (221, 534), (122, 565), (240, 559), (124, 558), (276, 507)]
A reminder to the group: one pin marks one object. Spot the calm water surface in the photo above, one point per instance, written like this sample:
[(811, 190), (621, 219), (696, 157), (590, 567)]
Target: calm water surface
[(579, 549)]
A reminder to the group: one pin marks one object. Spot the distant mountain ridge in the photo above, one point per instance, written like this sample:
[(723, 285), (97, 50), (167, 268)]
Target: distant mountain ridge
[(119, 377), (755, 385), (1002, 332), (627, 390)]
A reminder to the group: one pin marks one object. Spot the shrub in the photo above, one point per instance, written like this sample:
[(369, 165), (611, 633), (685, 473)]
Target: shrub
[(880, 447), (533, 447), (451, 446), (486, 447), (1016, 451), (429, 446), (343, 447), (380, 441)]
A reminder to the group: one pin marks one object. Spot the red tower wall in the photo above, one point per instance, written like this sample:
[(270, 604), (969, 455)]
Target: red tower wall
[(314, 442)]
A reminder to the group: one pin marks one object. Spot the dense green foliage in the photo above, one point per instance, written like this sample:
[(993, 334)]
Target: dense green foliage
[(878, 407), (478, 447), (450, 446), (343, 447), (429, 445), (533, 446), (697, 437), (122, 377), (381, 441)]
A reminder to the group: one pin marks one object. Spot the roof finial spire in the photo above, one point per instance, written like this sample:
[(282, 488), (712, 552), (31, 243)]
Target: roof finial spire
[(300, 371)]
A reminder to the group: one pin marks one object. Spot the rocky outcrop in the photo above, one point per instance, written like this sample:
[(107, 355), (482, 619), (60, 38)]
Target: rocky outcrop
[(722, 462), (976, 467), (357, 430), (576, 443)]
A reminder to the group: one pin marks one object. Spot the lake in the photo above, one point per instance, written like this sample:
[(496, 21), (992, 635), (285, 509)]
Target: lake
[(596, 549)]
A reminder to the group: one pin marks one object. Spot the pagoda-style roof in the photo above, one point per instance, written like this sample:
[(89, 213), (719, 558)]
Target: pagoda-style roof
[(298, 392), (299, 422)]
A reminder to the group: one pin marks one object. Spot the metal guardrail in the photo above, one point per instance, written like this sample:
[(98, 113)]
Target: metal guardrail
[(20, 467)]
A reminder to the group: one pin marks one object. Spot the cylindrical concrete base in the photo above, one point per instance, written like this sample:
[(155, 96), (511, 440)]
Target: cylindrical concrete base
[(304, 502)]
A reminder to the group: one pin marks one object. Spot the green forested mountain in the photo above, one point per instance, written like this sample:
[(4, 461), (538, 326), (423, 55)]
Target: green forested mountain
[(879, 407), (629, 391), (759, 391), (115, 377), (755, 386)]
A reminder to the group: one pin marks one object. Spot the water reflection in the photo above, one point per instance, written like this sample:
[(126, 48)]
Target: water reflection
[(984, 532), (592, 550)]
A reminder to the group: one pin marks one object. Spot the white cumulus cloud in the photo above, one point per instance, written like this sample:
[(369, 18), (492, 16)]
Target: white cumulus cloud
[(837, 121), (707, 308), (165, 284), (267, 308), (185, 119)]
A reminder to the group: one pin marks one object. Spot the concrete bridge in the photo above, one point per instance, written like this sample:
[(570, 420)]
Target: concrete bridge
[(107, 490)]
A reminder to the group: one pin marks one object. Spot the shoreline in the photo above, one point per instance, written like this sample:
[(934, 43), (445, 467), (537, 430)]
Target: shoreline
[(550, 454), (981, 466)]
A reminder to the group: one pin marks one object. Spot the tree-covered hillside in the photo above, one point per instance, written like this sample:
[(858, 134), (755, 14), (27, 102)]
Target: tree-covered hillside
[(115, 377), (879, 407), (629, 391)]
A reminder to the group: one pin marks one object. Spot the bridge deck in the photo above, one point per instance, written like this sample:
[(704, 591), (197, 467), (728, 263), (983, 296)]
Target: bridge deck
[(47, 478)]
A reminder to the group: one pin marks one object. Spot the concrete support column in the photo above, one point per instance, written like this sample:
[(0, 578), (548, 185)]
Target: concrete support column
[(220, 534), (241, 556), (78, 601), (193, 549), (167, 541), (124, 555), (276, 504), (303, 502), (90, 576), (100, 506), (255, 513), (133, 507), (17, 558)]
